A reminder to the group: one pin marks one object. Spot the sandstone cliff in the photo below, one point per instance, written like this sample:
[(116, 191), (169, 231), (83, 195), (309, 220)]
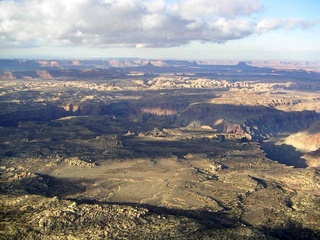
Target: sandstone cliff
[(308, 142)]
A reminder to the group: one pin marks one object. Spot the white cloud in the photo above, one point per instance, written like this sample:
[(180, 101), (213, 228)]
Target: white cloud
[(156, 6), (131, 23), (191, 9), (226, 29), (266, 25)]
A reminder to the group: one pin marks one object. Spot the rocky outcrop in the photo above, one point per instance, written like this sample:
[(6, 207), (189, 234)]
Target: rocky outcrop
[(7, 76), (75, 161), (260, 122), (307, 140), (159, 111), (44, 74), (277, 122), (313, 158), (71, 107)]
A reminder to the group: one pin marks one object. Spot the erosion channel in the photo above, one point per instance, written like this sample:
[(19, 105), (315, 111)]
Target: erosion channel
[(159, 157)]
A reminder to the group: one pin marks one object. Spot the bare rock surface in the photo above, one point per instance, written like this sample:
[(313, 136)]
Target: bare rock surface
[(158, 150), (307, 140)]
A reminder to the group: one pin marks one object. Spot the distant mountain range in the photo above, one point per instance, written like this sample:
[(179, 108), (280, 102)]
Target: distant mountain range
[(23, 64), (128, 68)]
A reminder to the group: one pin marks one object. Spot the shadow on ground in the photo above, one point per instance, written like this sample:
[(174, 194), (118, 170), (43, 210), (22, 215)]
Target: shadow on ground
[(213, 225), (217, 224), (284, 154), (41, 184)]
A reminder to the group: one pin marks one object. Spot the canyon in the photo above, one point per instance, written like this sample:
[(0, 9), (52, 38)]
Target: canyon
[(154, 149)]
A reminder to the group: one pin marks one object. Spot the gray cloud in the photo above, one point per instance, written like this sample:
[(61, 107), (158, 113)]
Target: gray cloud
[(131, 23)]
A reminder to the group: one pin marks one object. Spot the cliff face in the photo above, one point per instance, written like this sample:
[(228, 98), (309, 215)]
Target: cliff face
[(48, 113), (259, 122), (289, 122), (7, 76), (307, 142), (44, 74), (312, 158)]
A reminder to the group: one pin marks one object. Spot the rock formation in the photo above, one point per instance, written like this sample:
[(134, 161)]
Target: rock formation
[(145, 149)]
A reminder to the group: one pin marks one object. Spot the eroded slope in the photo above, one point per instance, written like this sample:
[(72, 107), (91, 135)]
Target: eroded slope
[(146, 159)]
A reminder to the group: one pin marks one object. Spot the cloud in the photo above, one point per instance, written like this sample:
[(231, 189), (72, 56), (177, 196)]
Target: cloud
[(131, 23), (192, 9), (266, 25)]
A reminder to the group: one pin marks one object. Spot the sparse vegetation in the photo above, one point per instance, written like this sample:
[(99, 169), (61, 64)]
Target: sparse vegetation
[(156, 155)]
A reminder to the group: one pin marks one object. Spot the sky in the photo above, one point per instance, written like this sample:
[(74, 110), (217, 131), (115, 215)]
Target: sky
[(161, 29)]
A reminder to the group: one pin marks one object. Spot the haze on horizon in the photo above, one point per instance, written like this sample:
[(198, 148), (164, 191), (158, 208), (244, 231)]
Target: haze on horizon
[(191, 29)]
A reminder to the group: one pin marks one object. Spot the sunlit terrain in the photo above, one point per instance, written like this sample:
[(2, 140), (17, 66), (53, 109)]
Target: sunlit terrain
[(140, 149)]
